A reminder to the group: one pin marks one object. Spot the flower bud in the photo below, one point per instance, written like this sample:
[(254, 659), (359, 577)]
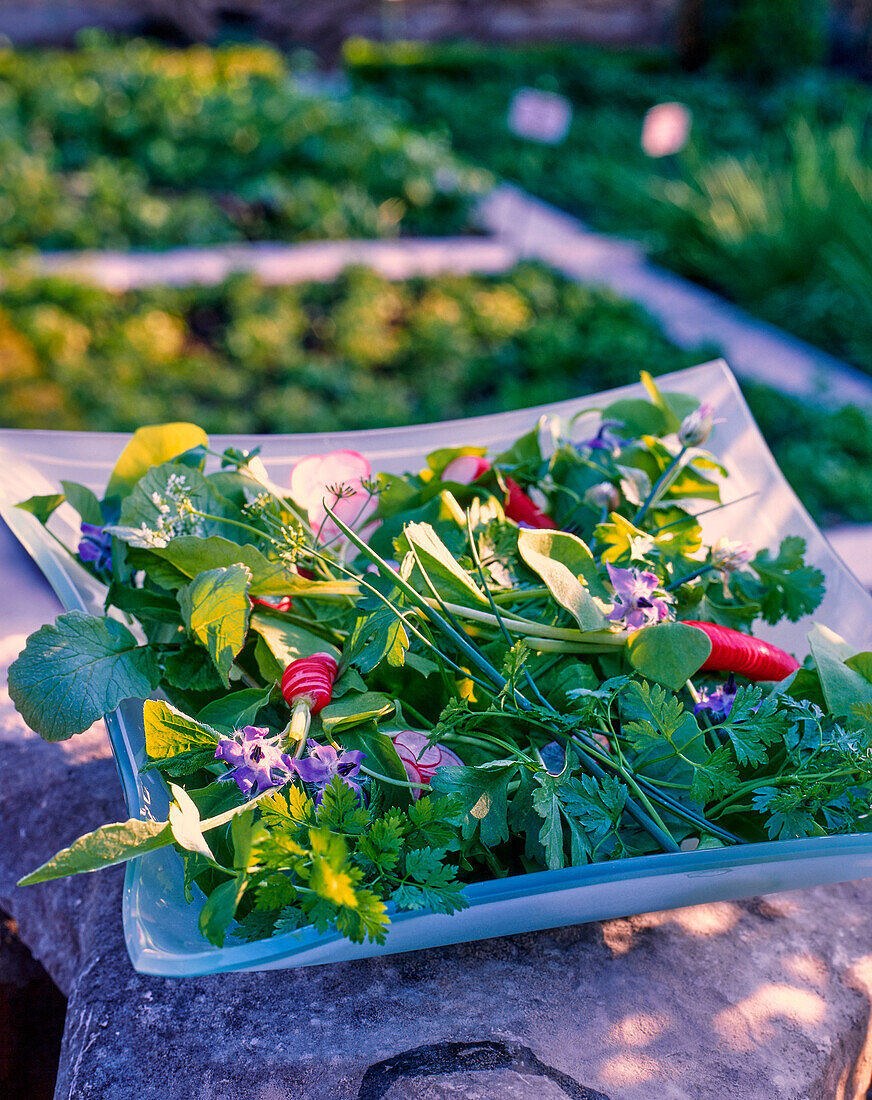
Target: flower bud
[(696, 426), (728, 556), (603, 496)]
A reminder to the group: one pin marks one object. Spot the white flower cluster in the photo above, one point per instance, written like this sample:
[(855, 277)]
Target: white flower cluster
[(175, 515)]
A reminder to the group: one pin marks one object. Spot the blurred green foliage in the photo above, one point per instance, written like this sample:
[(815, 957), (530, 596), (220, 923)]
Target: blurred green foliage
[(791, 240), (367, 352), (771, 202), (762, 40), (137, 145), (360, 352)]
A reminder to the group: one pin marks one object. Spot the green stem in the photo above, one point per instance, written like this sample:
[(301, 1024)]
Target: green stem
[(659, 486), (394, 782), (518, 594)]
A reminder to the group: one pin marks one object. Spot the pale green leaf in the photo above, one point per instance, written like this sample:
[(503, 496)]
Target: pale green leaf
[(669, 653), (185, 823), (233, 711), (102, 848), (42, 506), (354, 709), (168, 732), (191, 555), (285, 641), (842, 685), (84, 501), (151, 446), (567, 567), (216, 609), (448, 576)]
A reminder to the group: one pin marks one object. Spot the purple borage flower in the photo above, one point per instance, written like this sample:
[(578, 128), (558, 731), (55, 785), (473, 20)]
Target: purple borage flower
[(635, 602), (605, 439), (96, 546), (719, 701), (257, 763), (324, 763)]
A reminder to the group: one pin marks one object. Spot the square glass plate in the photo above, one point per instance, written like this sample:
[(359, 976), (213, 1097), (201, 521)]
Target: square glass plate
[(161, 928)]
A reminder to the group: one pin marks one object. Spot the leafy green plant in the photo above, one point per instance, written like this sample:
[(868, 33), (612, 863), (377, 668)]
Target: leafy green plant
[(786, 239), (770, 202)]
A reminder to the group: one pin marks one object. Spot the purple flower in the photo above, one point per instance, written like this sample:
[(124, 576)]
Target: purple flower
[(605, 439), (96, 546), (324, 763), (257, 762), (635, 602), (719, 701)]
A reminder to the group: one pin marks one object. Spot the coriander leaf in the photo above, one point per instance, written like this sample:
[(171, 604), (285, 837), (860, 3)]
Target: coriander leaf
[(482, 796), (546, 803), (787, 818), (215, 607), (790, 587), (597, 804), (752, 724), (275, 892), (75, 671), (715, 777)]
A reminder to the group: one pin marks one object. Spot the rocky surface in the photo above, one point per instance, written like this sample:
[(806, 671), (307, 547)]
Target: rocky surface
[(766, 999)]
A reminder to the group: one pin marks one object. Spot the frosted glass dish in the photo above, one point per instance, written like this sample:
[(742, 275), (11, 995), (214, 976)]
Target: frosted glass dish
[(161, 928)]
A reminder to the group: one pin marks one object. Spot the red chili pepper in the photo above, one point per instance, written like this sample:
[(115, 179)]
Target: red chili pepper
[(521, 508), (518, 505), (733, 651), (283, 604), (310, 678)]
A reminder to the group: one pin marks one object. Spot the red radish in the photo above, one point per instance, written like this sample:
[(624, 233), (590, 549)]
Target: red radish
[(307, 686), (310, 680), (465, 469), (519, 507), (420, 759), (733, 651)]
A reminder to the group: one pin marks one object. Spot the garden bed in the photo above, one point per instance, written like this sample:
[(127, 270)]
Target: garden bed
[(136, 145), (367, 351), (769, 204)]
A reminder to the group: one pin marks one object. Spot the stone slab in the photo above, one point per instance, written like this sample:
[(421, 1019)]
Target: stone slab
[(766, 999)]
